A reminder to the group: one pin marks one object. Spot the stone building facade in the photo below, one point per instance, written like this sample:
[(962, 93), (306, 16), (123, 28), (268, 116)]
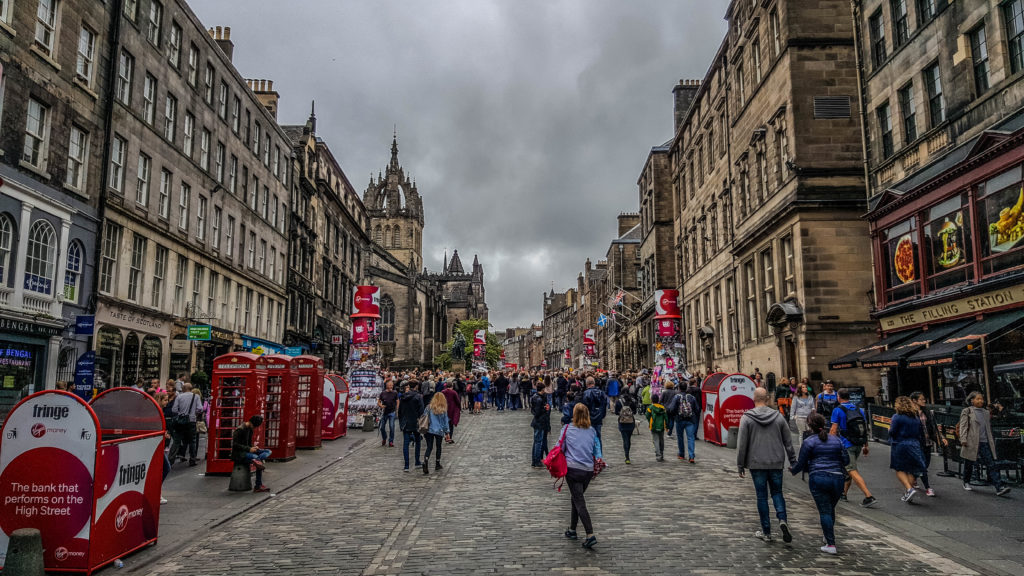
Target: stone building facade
[(768, 178), (54, 107), (657, 247), (943, 97), (328, 242), (559, 327), (619, 340), (419, 309), (196, 202)]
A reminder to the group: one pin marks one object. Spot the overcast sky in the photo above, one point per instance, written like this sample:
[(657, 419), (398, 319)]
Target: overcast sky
[(525, 123)]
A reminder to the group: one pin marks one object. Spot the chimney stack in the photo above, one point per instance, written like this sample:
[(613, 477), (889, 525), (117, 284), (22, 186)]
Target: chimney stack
[(627, 221), (223, 38), (684, 93), (264, 91)]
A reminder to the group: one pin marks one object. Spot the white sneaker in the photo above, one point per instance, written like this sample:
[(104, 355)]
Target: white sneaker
[(930, 493), (163, 500), (763, 536), (909, 496), (828, 549), (968, 487)]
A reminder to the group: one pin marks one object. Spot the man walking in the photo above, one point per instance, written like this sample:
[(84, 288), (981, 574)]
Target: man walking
[(541, 410), (500, 391), (763, 447), (410, 406), (186, 409), (597, 402), (687, 414), (851, 425)]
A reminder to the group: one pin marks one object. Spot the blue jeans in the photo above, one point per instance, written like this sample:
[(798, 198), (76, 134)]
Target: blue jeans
[(540, 445), (597, 428), (985, 459), (826, 490), (766, 481), (261, 456), (513, 401), (411, 437), (689, 427), (389, 421), (499, 400)]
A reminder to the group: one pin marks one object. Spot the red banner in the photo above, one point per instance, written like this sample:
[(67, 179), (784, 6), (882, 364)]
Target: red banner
[(666, 304), (480, 337), (478, 350), (568, 354), (588, 336), (361, 330), (366, 302), (667, 327), (588, 350)]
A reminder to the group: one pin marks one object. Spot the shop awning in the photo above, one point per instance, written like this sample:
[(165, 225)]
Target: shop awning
[(896, 353), (1017, 366), (945, 351), (850, 360)]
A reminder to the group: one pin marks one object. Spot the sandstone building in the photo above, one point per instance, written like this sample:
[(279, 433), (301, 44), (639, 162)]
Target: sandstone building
[(768, 181)]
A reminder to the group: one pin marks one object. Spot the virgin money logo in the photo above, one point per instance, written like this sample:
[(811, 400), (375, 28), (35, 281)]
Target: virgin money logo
[(734, 388), (38, 430), (123, 516), (666, 302), (61, 554), (360, 299)]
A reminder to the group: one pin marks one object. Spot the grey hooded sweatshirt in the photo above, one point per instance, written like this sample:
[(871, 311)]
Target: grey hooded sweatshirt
[(765, 442)]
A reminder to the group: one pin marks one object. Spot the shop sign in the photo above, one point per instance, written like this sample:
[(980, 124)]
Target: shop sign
[(85, 373), (199, 331), (30, 328), (969, 305), (337, 339), (180, 346), (85, 325), (293, 351), (131, 320)]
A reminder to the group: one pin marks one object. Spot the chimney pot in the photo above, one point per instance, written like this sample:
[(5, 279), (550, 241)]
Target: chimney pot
[(210, 32), (219, 33), (270, 85), (227, 32)]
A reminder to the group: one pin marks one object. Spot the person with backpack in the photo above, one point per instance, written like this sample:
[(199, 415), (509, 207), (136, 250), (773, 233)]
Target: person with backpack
[(667, 395), (582, 449), (657, 419), (541, 410), (687, 415), (597, 402), (824, 458), (826, 402), (850, 423), (763, 446), (625, 410), (410, 406)]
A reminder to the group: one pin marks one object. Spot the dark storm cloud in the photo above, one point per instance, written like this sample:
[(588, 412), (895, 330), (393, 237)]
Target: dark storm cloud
[(524, 122)]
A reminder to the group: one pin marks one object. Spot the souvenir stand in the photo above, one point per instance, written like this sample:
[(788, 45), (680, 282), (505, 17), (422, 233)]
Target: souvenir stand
[(334, 423), (726, 398), (308, 430), (480, 351), (238, 392), (364, 379), (87, 476), (281, 420)]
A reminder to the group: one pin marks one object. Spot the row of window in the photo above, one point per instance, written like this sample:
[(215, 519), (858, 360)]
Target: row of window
[(41, 260), (150, 280), (47, 34)]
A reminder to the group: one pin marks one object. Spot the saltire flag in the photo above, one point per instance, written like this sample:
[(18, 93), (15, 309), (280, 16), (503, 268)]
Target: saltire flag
[(603, 320)]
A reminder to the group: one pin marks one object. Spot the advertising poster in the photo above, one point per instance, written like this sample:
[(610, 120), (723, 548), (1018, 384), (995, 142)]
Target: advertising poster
[(666, 304), (366, 302), (47, 463), (126, 517), (480, 338)]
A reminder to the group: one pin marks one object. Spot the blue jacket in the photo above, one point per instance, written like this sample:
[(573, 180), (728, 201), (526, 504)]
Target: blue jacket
[(613, 387), (597, 402), (829, 457), (438, 423), (904, 428)]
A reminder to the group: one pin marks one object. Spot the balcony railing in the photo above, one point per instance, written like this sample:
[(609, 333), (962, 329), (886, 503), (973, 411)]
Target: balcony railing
[(31, 302)]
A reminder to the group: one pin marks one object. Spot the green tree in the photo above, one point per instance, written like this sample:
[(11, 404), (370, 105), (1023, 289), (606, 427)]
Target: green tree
[(468, 327)]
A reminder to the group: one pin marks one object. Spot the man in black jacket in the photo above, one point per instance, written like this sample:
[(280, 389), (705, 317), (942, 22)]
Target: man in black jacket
[(410, 407), (597, 402), (561, 389), (501, 391), (541, 424), (244, 451)]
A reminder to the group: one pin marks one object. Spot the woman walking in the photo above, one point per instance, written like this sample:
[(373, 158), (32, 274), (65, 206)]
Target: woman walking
[(977, 442), (625, 409), (823, 457), (803, 406), (906, 457), (582, 449), (929, 439), (439, 428)]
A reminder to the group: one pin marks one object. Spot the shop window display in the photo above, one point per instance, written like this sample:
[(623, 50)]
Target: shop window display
[(1001, 214), (948, 243), (900, 250), (18, 366)]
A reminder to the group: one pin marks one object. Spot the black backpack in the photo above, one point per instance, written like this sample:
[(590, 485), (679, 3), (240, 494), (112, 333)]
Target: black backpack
[(685, 409), (856, 431)]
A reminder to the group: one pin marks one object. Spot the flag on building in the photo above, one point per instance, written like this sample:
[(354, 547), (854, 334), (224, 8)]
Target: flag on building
[(603, 320)]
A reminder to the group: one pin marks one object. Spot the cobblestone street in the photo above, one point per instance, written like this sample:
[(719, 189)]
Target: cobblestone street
[(489, 512)]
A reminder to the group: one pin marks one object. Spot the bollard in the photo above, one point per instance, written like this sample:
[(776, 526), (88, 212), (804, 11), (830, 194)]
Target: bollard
[(241, 481), (24, 553), (734, 433)]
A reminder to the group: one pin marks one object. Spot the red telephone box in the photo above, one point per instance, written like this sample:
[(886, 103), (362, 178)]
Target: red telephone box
[(334, 423), (238, 391), (310, 370), (281, 406)]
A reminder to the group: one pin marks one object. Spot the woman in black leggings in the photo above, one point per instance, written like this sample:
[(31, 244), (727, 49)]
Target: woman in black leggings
[(582, 449), (627, 421)]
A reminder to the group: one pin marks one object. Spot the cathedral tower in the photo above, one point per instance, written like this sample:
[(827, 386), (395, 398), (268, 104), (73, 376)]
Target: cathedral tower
[(396, 213)]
